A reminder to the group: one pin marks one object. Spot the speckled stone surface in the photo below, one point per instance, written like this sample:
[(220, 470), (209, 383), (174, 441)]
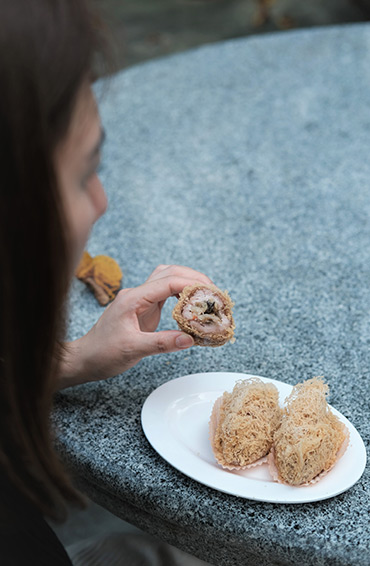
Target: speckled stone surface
[(250, 161)]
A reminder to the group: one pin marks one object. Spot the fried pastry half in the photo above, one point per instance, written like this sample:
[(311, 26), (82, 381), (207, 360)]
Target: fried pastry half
[(243, 423), (205, 312), (310, 439), (102, 274)]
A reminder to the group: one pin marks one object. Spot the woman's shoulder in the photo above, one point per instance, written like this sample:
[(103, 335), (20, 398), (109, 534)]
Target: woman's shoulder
[(25, 536)]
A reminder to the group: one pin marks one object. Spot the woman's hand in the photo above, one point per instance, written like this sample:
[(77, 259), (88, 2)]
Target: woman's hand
[(125, 333)]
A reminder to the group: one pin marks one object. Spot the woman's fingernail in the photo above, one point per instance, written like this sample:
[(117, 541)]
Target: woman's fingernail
[(184, 341)]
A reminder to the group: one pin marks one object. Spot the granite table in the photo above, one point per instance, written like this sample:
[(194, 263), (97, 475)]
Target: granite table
[(248, 160)]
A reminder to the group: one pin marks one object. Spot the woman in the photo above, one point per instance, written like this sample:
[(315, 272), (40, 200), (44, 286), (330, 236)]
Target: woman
[(50, 196)]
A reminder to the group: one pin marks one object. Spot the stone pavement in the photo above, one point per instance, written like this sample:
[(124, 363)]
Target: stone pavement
[(145, 29)]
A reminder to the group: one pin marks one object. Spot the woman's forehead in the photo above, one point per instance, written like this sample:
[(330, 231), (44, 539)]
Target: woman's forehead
[(84, 131)]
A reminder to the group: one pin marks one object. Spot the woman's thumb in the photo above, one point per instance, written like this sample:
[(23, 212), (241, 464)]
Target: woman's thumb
[(165, 341)]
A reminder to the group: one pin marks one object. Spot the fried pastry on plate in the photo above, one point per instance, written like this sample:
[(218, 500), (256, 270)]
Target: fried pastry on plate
[(243, 423), (310, 439), (205, 312)]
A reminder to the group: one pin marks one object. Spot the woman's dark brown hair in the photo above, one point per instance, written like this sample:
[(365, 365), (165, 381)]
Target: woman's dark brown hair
[(47, 49)]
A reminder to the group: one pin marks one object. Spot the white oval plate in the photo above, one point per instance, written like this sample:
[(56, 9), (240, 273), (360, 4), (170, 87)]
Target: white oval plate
[(175, 421)]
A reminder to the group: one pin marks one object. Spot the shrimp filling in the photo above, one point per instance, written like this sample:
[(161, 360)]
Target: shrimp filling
[(204, 311)]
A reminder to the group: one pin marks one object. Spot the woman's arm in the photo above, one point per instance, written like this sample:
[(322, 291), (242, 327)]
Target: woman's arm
[(125, 333)]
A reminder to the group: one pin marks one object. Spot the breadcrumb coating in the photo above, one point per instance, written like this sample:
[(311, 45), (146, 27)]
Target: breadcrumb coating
[(246, 420), (310, 436)]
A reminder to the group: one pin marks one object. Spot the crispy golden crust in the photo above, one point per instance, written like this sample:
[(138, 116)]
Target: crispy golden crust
[(243, 423), (201, 337), (102, 274), (310, 437)]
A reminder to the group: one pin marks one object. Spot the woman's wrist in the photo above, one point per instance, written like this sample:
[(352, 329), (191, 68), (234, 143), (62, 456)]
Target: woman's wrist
[(72, 367)]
